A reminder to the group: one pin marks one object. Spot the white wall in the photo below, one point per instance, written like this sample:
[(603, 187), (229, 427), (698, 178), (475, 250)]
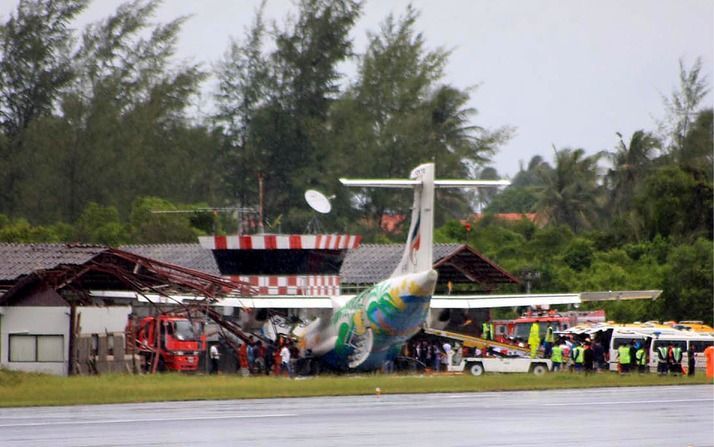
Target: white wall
[(35, 320), (102, 320)]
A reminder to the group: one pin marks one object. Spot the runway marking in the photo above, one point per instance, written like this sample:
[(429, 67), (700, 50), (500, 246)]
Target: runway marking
[(131, 421), (663, 401)]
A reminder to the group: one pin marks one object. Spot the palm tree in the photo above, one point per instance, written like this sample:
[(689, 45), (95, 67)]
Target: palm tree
[(570, 190), (630, 163)]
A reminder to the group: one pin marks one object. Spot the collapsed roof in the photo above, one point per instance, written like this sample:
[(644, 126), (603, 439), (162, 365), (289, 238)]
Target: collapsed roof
[(74, 270)]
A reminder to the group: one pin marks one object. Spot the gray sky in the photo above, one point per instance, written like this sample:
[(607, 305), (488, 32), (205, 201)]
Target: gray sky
[(568, 73)]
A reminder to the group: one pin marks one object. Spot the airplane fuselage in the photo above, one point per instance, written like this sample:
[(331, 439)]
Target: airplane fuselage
[(372, 327)]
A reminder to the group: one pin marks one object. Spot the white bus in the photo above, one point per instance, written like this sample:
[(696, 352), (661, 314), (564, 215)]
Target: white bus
[(651, 337), (684, 340)]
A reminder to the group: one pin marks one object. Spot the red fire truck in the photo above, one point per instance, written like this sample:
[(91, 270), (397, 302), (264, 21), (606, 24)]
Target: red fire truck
[(173, 338), (517, 330)]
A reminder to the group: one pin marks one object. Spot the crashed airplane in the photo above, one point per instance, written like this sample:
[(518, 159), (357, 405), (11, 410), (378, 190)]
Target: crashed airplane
[(371, 327)]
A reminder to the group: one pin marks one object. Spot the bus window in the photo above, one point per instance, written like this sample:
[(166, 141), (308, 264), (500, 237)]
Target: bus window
[(617, 342), (700, 345)]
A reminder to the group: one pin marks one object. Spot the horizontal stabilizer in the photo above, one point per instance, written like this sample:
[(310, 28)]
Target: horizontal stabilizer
[(387, 183), (377, 183), (469, 183)]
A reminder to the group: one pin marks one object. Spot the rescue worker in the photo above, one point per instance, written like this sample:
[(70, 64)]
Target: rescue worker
[(623, 358), (709, 355), (691, 360), (641, 358), (662, 366), (599, 356), (588, 358), (243, 358), (675, 366), (556, 357), (549, 339), (578, 357), (534, 339), (486, 330)]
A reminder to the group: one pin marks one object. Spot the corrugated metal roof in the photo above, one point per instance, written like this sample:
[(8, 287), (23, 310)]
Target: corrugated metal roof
[(191, 256), (22, 259), (371, 263)]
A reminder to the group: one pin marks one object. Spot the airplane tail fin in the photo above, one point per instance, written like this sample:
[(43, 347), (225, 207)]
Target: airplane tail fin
[(417, 255)]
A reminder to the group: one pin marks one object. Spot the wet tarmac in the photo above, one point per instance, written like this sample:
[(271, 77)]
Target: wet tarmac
[(641, 416)]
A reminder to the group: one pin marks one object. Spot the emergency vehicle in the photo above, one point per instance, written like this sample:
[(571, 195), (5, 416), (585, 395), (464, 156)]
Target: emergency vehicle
[(517, 330), (651, 335), (173, 338), (477, 366)]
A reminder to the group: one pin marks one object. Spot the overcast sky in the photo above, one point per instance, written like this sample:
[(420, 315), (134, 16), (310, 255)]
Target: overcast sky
[(568, 73)]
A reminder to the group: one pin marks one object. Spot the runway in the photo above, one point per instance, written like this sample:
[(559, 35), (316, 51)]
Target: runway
[(640, 416)]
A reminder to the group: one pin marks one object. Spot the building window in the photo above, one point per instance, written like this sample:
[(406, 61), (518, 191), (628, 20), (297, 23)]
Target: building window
[(36, 348)]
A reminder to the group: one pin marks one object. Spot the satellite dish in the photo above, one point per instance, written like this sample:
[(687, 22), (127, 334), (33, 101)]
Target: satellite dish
[(318, 201)]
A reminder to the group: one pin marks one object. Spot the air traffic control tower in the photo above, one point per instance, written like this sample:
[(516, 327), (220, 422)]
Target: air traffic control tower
[(281, 264)]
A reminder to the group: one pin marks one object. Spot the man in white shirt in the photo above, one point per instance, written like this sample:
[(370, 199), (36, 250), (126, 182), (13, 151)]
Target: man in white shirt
[(215, 356), (285, 360), (449, 353)]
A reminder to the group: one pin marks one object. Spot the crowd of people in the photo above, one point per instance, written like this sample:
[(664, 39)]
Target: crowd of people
[(256, 357), (589, 356)]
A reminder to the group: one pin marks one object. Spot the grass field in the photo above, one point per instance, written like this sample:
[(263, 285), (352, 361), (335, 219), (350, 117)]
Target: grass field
[(22, 389)]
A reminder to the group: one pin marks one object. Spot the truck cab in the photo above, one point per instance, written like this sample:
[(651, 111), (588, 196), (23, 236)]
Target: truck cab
[(173, 338)]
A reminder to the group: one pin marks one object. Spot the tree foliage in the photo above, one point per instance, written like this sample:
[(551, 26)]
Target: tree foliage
[(97, 135)]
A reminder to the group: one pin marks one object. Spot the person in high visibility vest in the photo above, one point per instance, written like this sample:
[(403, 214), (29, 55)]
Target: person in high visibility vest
[(662, 366), (623, 358), (556, 357), (641, 357), (548, 343), (578, 357), (588, 357), (485, 330), (534, 339)]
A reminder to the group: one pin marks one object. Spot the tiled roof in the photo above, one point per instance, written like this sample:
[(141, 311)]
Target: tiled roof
[(371, 263), (22, 259), (191, 256)]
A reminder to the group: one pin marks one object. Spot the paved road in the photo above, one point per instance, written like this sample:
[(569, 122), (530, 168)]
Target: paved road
[(647, 416)]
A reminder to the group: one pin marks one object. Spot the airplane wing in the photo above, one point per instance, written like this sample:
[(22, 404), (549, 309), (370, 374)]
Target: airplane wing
[(518, 300), (488, 301), (617, 295), (449, 301)]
